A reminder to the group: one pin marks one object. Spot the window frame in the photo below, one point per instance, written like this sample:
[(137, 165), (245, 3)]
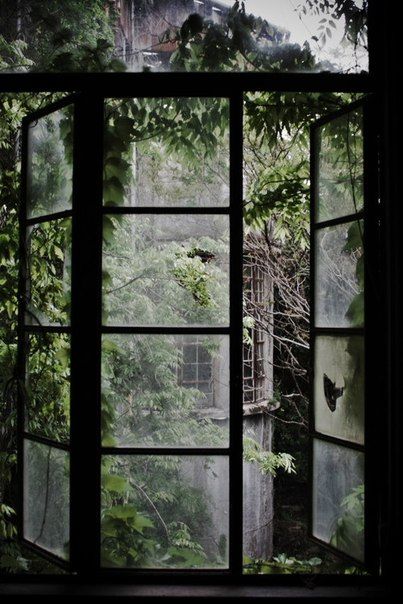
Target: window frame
[(370, 331), (86, 330), (131, 84)]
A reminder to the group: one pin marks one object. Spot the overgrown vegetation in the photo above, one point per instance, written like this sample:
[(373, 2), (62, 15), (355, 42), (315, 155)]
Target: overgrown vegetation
[(164, 520)]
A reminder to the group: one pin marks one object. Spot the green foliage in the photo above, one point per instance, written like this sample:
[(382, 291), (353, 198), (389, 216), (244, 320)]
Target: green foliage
[(282, 565), (74, 35), (7, 528), (350, 526), (60, 35), (236, 46), (191, 274), (267, 461), (138, 497)]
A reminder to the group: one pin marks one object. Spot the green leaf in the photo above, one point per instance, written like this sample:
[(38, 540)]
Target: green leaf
[(114, 483), (122, 512), (354, 237), (355, 312)]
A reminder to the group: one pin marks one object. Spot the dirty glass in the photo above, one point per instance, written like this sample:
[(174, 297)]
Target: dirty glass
[(338, 497), (340, 167), (165, 512), (339, 387), (49, 273), (47, 404), (339, 276), (165, 390), (50, 164), (166, 152), (166, 270), (46, 501)]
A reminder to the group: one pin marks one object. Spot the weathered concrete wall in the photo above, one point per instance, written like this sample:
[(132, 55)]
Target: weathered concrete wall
[(212, 479), (258, 493)]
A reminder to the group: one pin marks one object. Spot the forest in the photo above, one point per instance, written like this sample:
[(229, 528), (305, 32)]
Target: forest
[(175, 152)]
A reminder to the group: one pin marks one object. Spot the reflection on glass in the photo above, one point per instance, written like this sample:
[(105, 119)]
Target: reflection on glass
[(47, 405), (49, 273), (162, 390), (46, 497), (339, 387), (338, 497), (167, 152), (50, 163), (164, 512), (166, 270), (339, 278), (340, 167)]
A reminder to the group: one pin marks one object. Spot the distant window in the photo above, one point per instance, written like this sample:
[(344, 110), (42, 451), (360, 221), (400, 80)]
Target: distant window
[(197, 369), (255, 354)]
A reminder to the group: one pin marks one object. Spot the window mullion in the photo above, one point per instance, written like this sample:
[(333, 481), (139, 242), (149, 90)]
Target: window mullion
[(236, 313), (86, 316)]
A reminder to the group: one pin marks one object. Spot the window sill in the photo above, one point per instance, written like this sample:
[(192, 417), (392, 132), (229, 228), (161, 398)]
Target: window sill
[(260, 407), (192, 591)]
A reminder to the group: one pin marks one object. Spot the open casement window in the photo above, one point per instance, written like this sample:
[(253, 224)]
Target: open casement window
[(109, 248), (116, 261), (45, 329), (343, 206)]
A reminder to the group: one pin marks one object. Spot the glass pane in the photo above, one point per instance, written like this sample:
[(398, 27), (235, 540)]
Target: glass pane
[(339, 387), (167, 152), (50, 163), (166, 270), (340, 167), (49, 273), (338, 497), (47, 406), (161, 390), (46, 497), (165, 512), (339, 279)]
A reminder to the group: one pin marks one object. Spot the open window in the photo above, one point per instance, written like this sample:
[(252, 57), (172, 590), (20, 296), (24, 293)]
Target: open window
[(343, 208), (148, 394), (142, 369), (45, 335)]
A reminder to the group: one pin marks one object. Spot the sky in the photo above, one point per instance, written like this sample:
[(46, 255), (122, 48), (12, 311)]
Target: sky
[(283, 13), (302, 27)]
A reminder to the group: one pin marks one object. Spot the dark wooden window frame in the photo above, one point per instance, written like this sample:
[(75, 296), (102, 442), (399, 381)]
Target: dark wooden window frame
[(384, 236)]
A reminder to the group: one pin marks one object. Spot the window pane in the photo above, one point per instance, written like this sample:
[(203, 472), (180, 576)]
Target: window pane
[(47, 407), (167, 152), (165, 512), (46, 497), (152, 395), (339, 387), (340, 167), (339, 279), (50, 163), (49, 273), (166, 270), (338, 497)]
